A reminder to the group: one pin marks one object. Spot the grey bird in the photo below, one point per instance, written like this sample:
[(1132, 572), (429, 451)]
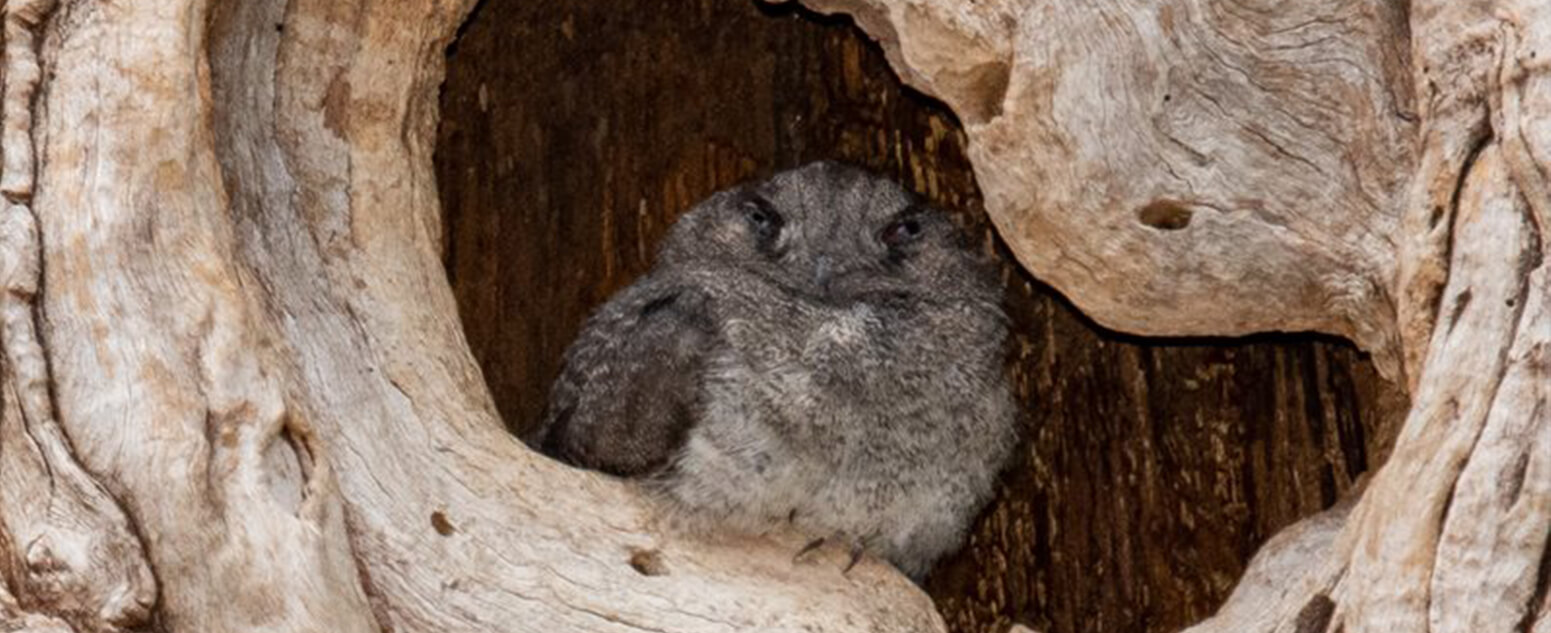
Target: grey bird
[(820, 349)]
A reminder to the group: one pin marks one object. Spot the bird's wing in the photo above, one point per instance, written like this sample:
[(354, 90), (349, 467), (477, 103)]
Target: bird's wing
[(627, 394)]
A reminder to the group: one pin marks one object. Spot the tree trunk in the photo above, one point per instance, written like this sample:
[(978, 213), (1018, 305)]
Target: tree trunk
[(237, 395)]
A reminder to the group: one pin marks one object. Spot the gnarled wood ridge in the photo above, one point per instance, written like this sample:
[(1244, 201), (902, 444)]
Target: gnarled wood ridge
[(236, 396)]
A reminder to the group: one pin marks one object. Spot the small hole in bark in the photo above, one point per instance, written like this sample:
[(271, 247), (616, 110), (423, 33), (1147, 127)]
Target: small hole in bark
[(1165, 215), (648, 562), (1315, 615), (1513, 484), (1437, 216), (1460, 303), (440, 523), (1167, 98)]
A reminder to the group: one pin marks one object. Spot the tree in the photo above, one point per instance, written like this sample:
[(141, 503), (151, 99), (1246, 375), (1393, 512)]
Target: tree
[(237, 395)]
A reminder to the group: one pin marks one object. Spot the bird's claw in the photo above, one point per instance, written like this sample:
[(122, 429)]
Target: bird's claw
[(807, 549), (857, 549), (856, 556)]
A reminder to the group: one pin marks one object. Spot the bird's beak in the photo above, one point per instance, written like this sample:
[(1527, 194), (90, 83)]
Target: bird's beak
[(823, 270)]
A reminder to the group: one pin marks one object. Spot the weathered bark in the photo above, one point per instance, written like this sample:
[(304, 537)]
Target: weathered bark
[(1211, 131), (237, 395), (1158, 164), (250, 343), (70, 551)]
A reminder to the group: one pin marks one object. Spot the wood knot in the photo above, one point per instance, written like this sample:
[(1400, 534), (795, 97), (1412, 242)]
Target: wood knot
[(42, 561)]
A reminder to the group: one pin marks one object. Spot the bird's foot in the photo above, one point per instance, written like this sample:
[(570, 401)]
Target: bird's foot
[(809, 548), (856, 547)]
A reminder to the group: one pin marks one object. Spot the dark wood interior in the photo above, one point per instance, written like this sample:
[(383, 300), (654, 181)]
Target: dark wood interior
[(574, 132)]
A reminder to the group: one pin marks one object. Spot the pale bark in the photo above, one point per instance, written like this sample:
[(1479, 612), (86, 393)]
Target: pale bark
[(71, 549), (250, 343), (1216, 168), (237, 396), (1150, 160)]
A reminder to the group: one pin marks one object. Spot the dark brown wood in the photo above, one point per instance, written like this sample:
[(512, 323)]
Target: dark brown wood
[(573, 134)]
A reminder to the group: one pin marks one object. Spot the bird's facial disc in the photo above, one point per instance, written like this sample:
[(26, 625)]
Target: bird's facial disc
[(839, 234), (830, 232)]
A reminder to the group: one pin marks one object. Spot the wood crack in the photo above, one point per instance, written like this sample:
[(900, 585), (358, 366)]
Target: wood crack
[(1531, 252), (1505, 101), (1537, 601), (1445, 216)]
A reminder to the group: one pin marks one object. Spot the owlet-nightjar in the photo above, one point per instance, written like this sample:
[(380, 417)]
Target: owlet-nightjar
[(819, 349)]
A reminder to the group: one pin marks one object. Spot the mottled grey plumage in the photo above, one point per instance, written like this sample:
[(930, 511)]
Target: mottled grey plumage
[(817, 348)]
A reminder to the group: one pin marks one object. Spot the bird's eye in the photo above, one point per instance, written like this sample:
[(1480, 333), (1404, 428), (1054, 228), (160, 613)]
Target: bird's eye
[(901, 231), (762, 218), (759, 217)]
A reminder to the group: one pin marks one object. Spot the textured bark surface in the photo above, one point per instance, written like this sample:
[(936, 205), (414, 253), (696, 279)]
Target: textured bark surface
[(1419, 132), (1177, 138), (237, 396), (1145, 457)]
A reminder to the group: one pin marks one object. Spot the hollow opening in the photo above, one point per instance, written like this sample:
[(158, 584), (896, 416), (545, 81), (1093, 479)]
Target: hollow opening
[(574, 133), (1165, 215)]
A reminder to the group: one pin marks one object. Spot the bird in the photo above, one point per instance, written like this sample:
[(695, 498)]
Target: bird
[(821, 350)]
